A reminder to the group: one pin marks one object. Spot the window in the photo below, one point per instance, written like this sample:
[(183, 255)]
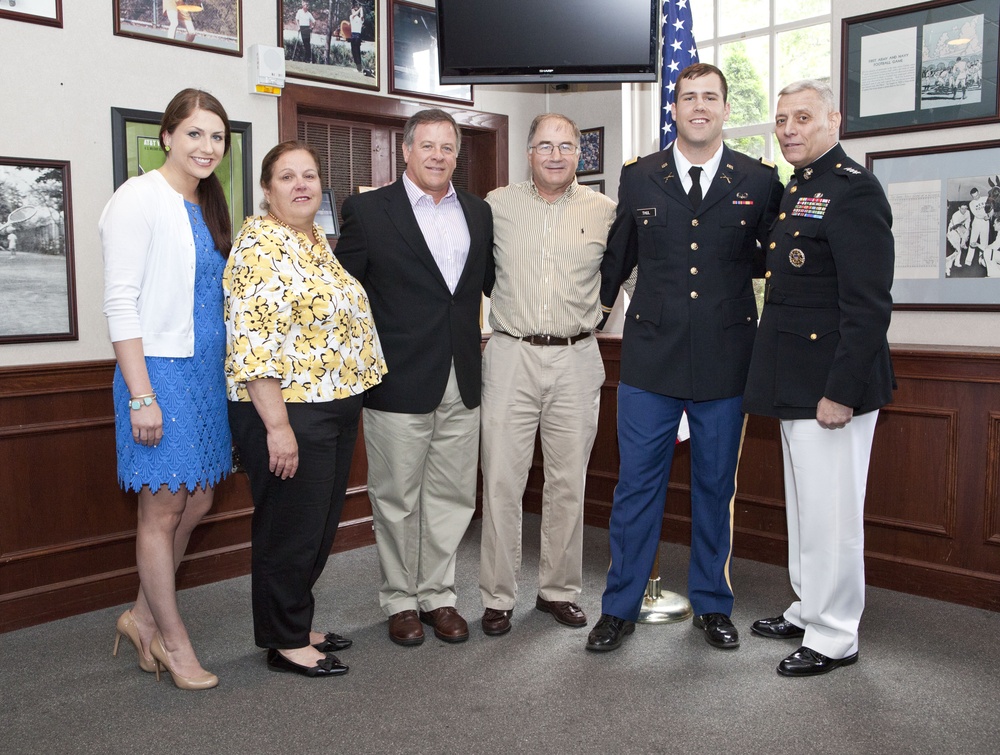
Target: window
[(762, 45)]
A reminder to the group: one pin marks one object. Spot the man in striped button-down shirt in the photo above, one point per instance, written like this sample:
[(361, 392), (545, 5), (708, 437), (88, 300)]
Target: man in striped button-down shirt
[(542, 368)]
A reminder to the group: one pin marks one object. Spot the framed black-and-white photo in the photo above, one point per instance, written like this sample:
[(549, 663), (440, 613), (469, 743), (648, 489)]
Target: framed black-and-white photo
[(591, 151), (933, 65), (48, 12), (331, 40), (211, 25), (413, 55), (597, 185), (946, 223), (326, 218), (37, 279), (135, 140)]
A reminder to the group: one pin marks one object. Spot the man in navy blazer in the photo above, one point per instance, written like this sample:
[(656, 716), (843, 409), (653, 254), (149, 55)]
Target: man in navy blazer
[(690, 217), (423, 251)]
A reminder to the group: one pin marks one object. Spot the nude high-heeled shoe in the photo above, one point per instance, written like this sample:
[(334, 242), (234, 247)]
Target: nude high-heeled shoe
[(126, 626), (203, 681)]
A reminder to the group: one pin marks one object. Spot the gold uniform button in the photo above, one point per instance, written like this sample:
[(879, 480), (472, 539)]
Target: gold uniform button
[(781, 216), (694, 271), (796, 233), (645, 222), (694, 222), (793, 189), (743, 222), (812, 336), (772, 245), (637, 317), (767, 274), (694, 294), (694, 247)]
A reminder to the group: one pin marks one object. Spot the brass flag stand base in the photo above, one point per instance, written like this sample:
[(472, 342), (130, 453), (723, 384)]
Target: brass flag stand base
[(660, 607)]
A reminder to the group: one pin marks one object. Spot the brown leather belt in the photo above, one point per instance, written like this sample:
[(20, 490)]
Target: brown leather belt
[(547, 340)]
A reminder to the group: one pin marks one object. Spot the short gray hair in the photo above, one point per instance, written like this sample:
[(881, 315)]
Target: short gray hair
[(554, 116), (812, 85), (433, 115)]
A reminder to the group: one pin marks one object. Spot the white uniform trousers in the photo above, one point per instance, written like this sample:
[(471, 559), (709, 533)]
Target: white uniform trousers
[(526, 388), (826, 474), (422, 485)]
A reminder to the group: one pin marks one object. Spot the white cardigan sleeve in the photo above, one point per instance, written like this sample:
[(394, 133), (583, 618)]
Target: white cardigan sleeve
[(126, 228)]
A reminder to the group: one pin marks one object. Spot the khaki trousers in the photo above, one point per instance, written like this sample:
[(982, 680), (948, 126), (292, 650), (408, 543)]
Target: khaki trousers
[(526, 388), (422, 486)]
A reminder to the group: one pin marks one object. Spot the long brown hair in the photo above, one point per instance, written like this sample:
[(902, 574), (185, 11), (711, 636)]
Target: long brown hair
[(212, 199)]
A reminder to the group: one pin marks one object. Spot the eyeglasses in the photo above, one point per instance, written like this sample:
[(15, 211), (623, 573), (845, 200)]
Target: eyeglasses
[(546, 148)]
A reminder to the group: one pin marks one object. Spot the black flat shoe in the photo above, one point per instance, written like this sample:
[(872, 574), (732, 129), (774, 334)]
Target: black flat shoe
[(777, 628), (329, 666), (807, 662), (608, 632), (719, 630), (333, 643)]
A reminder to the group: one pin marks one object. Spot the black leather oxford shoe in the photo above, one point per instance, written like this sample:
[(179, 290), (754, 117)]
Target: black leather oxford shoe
[(807, 662), (719, 630), (608, 632), (777, 628)]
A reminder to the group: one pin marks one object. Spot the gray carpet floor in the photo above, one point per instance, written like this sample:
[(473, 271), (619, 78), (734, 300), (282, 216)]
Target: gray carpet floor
[(928, 680)]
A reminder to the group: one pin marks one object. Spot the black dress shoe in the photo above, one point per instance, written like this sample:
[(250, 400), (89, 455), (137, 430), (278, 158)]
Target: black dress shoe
[(332, 643), (608, 632), (777, 628), (719, 630), (329, 666), (807, 662)]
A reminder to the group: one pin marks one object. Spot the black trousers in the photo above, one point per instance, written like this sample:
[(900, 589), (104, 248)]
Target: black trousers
[(294, 520)]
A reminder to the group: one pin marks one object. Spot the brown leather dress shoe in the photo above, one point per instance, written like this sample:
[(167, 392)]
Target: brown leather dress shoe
[(448, 624), (566, 613), (496, 622), (405, 629)]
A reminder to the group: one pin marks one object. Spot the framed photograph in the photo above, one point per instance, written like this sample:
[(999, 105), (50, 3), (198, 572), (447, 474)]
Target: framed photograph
[(48, 12), (596, 185), (327, 215), (331, 40), (933, 65), (136, 149), (946, 223), (212, 25), (591, 151), (413, 55), (37, 278)]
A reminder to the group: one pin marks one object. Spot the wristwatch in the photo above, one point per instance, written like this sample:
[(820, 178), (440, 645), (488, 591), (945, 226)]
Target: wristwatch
[(137, 403)]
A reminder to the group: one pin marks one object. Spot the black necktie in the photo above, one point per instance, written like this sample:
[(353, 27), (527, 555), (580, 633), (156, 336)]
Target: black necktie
[(694, 193)]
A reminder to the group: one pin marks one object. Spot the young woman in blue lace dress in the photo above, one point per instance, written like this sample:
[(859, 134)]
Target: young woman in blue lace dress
[(166, 235)]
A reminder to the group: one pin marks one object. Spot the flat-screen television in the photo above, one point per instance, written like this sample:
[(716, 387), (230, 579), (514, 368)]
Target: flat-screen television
[(550, 41)]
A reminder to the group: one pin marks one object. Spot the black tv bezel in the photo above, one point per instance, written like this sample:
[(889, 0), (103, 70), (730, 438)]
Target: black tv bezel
[(554, 75)]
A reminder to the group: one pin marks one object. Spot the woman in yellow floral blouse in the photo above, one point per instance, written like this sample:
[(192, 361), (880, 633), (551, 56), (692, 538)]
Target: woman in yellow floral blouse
[(302, 349)]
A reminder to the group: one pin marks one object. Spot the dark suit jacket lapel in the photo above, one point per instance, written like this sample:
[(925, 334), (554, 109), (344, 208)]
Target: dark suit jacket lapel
[(726, 179), (401, 214)]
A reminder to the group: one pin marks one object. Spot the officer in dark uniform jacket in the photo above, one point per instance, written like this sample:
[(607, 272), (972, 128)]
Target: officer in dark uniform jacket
[(821, 364), (686, 346)]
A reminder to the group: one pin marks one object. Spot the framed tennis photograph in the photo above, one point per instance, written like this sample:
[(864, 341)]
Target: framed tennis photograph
[(48, 12), (335, 41), (927, 66), (591, 151), (211, 25), (597, 184), (946, 222), (413, 55), (37, 276), (326, 218), (135, 136)]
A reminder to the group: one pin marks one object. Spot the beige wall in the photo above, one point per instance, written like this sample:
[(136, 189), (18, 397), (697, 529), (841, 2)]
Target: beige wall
[(60, 109)]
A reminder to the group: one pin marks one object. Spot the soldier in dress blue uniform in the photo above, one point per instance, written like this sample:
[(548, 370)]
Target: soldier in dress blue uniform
[(821, 364), (691, 217)]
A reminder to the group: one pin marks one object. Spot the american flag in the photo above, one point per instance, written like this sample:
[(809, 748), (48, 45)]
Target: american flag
[(679, 51)]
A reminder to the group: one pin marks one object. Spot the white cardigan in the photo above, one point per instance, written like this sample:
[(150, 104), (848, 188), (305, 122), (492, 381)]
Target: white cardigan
[(149, 265)]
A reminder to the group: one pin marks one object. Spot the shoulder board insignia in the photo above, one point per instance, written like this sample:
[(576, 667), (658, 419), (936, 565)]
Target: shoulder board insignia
[(629, 162), (855, 171), (765, 161)]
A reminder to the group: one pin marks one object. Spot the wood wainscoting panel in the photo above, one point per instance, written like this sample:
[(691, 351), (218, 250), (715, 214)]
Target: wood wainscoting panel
[(991, 513), (67, 531)]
